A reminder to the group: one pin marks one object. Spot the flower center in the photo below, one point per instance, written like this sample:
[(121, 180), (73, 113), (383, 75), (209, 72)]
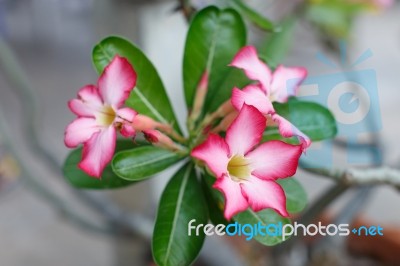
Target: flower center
[(239, 168), (106, 116)]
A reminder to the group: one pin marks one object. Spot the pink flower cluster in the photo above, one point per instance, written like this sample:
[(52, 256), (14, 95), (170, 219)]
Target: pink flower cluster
[(245, 170)]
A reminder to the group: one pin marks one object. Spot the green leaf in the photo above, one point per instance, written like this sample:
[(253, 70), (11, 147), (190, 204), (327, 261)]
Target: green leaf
[(265, 217), (80, 179), (181, 202), (296, 196), (276, 46), (255, 17), (143, 162), (214, 37), (149, 96), (313, 119)]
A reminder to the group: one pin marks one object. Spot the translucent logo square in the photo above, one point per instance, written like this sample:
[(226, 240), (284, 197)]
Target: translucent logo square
[(352, 96)]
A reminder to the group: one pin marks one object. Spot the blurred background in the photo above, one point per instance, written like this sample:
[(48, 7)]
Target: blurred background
[(45, 55)]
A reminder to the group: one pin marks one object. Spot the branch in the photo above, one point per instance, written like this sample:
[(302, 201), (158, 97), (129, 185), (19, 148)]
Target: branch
[(344, 179), (358, 176), (111, 212), (42, 190), (186, 8)]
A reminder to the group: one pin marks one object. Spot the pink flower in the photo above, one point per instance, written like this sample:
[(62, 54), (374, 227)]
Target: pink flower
[(271, 87), (100, 116), (275, 85), (245, 173)]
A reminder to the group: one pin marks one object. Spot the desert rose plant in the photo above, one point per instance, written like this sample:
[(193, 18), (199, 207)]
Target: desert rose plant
[(246, 133)]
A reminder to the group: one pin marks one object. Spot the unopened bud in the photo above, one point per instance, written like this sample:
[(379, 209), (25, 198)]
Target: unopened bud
[(159, 139), (201, 93)]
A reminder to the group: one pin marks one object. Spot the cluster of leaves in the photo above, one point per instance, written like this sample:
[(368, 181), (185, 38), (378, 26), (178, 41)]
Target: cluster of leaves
[(214, 37)]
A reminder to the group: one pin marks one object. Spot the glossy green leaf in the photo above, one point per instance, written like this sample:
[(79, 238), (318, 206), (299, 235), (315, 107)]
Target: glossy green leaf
[(265, 218), (143, 162), (313, 119), (214, 37), (181, 202), (252, 15), (149, 96), (80, 179), (276, 46), (296, 196)]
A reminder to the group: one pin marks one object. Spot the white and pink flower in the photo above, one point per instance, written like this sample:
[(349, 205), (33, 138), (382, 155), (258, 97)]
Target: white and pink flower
[(246, 173), (271, 87), (101, 114)]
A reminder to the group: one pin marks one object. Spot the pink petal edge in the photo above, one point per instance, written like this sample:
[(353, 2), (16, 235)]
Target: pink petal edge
[(214, 152), (263, 194), (286, 81), (117, 81), (247, 59), (87, 103), (79, 131), (252, 95), (245, 131), (98, 152), (275, 159), (288, 130), (235, 202)]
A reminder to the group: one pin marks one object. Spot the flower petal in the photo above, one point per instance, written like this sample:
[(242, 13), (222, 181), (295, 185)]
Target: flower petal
[(80, 131), (117, 81), (90, 93), (252, 95), (286, 82), (235, 202), (125, 116), (288, 130), (262, 194), (246, 130), (88, 102), (274, 159), (98, 152), (247, 59), (127, 130), (214, 152)]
